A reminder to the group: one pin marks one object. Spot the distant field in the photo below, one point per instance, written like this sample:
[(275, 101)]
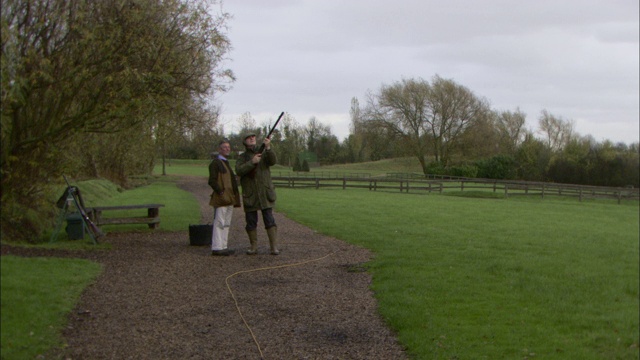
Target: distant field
[(405, 173), (199, 167), (183, 167)]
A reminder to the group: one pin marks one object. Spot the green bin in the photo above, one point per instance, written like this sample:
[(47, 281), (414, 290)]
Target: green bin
[(75, 226)]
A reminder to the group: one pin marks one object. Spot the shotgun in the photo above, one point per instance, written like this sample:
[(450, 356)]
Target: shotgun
[(95, 231), (261, 149)]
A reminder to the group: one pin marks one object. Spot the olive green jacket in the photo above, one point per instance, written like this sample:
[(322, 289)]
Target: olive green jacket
[(258, 192), (223, 182)]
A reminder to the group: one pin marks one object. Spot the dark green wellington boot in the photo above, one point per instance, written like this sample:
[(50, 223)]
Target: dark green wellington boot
[(272, 232), (253, 240)]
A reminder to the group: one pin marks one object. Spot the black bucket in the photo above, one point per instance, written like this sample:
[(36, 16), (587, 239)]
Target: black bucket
[(200, 234)]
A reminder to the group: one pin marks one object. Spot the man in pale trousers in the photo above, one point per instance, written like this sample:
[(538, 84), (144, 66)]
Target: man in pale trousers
[(223, 199)]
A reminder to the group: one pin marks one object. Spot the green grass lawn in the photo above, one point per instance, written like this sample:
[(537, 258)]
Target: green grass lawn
[(462, 278), (37, 295), (184, 167)]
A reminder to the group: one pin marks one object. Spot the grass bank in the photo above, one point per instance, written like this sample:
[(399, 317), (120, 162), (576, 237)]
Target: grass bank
[(37, 295), (181, 207)]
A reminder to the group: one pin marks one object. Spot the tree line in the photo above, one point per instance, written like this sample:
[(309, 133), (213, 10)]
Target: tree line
[(106, 89), (451, 131)]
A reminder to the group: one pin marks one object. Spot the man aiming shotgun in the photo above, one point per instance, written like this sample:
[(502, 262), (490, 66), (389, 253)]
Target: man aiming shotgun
[(258, 192)]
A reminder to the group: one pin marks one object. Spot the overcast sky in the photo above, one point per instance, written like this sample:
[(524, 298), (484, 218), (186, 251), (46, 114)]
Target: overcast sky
[(578, 59)]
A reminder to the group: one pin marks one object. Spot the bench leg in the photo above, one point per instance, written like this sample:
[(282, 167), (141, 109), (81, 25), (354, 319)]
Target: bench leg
[(96, 216), (153, 213)]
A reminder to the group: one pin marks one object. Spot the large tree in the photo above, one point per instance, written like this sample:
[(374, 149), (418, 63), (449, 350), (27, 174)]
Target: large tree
[(97, 67), (426, 117), (320, 139), (453, 109)]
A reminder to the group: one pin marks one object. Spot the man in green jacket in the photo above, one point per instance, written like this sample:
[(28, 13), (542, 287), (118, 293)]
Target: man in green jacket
[(258, 192)]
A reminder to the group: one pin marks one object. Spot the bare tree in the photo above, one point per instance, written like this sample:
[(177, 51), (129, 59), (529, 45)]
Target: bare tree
[(246, 122), (557, 131), (401, 109), (453, 108), (426, 116), (511, 128)]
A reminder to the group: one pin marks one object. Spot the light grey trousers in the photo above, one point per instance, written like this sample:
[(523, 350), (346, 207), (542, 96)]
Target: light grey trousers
[(221, 223)]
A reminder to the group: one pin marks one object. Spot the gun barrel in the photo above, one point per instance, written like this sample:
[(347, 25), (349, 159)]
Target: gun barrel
[(261, 149), (276, 124)]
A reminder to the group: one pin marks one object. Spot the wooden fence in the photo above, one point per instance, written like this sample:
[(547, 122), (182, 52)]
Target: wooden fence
[(411, 184)]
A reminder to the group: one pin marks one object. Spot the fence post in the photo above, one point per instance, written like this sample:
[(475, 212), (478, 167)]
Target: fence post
[(619, 196), (543, 191), (317, 183), (344, 183), (401, 183), (580, 194), (506, 192), (462, 185), (494, 185)]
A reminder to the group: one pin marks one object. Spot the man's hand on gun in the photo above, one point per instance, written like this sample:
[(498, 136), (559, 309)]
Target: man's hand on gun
[(267, 145)]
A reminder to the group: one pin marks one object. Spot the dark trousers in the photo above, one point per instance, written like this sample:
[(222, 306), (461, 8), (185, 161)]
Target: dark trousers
[(252, 219)]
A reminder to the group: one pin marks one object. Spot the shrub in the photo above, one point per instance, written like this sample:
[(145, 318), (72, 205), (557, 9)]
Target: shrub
[(497, 167), (435, 168), (305, 166), (296, 165), (469, 171)]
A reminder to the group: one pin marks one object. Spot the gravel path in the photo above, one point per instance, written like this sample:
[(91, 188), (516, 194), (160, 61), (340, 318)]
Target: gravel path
[(160, 298)]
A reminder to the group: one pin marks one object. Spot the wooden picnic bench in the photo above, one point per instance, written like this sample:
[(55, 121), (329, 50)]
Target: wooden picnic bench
[(152, 219)]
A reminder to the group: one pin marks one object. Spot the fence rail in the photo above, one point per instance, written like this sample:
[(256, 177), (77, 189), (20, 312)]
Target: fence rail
[(412, 184)]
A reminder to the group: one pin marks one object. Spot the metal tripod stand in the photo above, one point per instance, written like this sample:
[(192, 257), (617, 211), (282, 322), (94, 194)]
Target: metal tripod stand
[(72, 200)]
